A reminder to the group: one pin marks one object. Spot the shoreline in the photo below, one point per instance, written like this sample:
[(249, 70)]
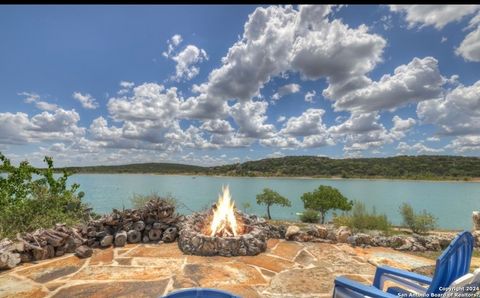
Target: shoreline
[(472, 180)]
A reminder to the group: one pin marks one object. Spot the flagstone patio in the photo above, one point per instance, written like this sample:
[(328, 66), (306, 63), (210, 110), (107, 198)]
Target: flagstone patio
[(286, 269)]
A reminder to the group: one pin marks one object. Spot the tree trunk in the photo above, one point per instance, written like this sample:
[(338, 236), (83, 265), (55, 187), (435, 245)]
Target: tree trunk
[(322, 214), (268, 212)]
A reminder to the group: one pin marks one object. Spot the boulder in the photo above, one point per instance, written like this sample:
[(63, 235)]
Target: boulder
[(359, 239), (342, 234), (322, 232), (476, 220), (291, 231)]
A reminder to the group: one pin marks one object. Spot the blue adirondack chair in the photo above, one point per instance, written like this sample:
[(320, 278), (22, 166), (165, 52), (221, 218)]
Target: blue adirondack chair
[(451, 264), (200, 293)]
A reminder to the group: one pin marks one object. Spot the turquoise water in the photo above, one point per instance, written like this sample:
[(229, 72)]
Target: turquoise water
[(451, 202)]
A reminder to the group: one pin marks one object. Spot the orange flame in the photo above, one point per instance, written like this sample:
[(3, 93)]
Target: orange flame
[(224, 222)]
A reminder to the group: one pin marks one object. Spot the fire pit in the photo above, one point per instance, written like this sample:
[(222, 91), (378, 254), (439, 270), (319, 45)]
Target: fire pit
[(223, 230)]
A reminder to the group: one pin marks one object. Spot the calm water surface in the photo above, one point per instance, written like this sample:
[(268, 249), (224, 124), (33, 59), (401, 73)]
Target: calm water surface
[(451, 202)]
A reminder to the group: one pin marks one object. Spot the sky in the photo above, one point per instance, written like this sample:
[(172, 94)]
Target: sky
[(210, 85)]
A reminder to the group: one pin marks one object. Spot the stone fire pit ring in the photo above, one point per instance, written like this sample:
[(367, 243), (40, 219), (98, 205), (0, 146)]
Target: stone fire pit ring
[(192, 241)]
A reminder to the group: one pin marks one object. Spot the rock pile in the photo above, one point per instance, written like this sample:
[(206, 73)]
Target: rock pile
[(155, 222), (412, 242)]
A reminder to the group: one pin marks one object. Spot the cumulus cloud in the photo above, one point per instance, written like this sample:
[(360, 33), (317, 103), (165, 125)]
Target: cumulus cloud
[(401, 126), (87, 101), (310, 95), (465, 143), (217, 126), (19, 128), (434, 15), (417, 81), (363, 131), (309, 123), (277, 40), (125, 87), (469, 49), (187, 62), (457, 113), (172, 43), (285, 90), (417, 148), (251, 117)]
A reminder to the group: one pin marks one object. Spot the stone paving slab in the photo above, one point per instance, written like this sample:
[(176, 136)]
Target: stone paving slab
[(285, 270)]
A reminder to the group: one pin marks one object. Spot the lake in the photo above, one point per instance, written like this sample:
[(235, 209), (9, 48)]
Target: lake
[(451, 202)]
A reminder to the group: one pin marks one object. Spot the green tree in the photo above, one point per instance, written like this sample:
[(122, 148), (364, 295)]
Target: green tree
[(325, 198), (269, 197)]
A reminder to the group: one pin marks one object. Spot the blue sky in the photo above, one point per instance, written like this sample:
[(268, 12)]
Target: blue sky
[(221, 84)]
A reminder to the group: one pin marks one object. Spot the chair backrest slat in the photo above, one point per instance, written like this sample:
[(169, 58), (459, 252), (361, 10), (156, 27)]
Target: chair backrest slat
[(452, 263)]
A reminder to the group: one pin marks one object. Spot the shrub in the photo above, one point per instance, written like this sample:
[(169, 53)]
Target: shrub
[(310, 215), (27, 204), (359, 219), (325, 198), (418, 222)]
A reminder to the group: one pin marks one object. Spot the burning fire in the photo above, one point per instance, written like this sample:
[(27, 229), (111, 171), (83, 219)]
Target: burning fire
[(224, 222)]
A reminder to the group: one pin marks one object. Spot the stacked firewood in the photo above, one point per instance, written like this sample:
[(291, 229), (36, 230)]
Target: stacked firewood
[(155, 222), (39, 245)]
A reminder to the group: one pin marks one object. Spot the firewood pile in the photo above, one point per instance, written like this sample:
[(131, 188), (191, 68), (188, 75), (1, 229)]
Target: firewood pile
[(39, 245), (155, 222)]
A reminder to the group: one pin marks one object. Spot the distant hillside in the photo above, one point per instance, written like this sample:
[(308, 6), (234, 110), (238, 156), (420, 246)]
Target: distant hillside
[(154, 168), (399, 167)]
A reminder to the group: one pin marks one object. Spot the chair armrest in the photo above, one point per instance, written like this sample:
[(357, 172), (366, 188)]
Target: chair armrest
[(386, 270), (369, 291)]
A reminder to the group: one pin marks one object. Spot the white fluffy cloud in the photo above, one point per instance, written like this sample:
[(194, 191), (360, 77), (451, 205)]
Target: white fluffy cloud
[(149, 101), (417, 81), (309, 123), (434, 15), (217, 126), (417, 148), (187, 62), (87, 101), (285, 90), (251, 117), (363, 131), (172, 43), (19, 128), (310, 95), (458, 113), (469, 49), (465, 143), (279, 39)]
